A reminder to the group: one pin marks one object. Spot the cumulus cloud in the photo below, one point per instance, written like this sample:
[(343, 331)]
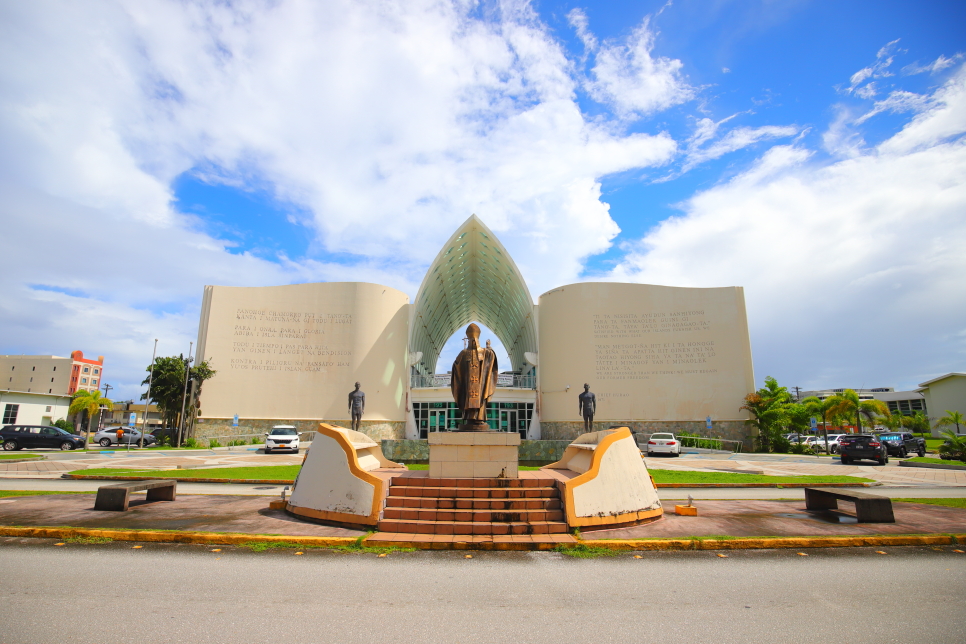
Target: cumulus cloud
[(736, 139), (628, 77), (387, 123), (851, 268), (879, 69)]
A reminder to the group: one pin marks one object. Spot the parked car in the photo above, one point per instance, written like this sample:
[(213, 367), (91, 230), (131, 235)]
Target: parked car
[(902, 443), (663, 444), (817, 443), (833, 442), (108, 436), (854, 447), (282, 437), (38, 436)]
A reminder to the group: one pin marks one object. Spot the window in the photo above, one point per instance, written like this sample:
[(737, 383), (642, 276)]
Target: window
[(84, 381), (87, 369), (10, 414), (96, 371), (33, 368), (31, 378), (51, 379), (48, 408), (55, 368), (93, 381)]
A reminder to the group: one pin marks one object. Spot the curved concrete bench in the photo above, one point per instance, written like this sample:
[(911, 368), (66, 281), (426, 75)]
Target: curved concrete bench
[(606, 481), (335, 484)]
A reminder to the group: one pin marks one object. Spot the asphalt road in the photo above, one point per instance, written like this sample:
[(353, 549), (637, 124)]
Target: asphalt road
[(68, 485), (180, 593)]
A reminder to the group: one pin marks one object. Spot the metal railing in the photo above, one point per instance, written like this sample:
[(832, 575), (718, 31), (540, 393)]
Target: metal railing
[(515, 381)]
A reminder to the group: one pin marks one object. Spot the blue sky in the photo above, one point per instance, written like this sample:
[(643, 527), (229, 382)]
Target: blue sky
[(811, 152)]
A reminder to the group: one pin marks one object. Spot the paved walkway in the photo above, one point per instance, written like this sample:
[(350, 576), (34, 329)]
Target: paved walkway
[(890, 474)]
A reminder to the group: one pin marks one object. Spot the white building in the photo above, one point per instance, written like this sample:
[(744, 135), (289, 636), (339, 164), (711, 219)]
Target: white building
[(945, 393), (31, 408)]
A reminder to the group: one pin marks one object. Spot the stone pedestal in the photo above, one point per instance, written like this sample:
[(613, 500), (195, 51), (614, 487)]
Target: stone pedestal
[(464, 455)]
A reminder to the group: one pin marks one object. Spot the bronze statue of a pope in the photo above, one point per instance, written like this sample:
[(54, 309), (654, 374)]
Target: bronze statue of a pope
[(474, 381)]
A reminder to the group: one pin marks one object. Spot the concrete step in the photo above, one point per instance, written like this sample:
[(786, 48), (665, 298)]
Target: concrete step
[(472, 528), (430, 503), (473, 516), (476, 482), (472, 492)]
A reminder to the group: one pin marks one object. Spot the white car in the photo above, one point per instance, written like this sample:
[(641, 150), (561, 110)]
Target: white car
[(282, 437), (833, 442), (817, 443), (663, 444)]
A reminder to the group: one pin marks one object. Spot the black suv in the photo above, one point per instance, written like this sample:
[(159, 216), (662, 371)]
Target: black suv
[(902, 443), (34, 436), (854, 447)]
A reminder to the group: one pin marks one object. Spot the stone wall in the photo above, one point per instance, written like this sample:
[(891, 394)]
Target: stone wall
[(221, 428), (530, 452), (734, 430)]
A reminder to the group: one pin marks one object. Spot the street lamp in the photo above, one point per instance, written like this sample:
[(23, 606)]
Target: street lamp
[(184, 395)]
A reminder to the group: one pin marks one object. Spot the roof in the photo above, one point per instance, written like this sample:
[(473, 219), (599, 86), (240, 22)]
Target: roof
[(473, 278), (948, 375)]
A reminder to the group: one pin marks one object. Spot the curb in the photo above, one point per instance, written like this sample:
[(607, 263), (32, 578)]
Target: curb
[(191, 479), (161, 536), (697, 543), (933, 466), (36, 459)]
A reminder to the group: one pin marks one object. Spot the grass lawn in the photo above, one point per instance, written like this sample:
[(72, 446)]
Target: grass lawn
[(934, 443), (950, 503), (673, 476), (10, 456), (37, 492), (257, 472), (938, 461), (289, 472)]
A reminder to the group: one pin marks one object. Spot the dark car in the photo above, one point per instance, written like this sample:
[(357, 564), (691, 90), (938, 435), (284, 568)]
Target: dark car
[(854, 447), (38, 436), (901, 444)]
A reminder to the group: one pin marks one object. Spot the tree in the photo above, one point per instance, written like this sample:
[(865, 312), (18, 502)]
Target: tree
[(951, 418), (955, 445), (65, 425), (88, 403), (918, 422), (818, 407), (892, 422), (847, 405), (768, 407), (167, 380)]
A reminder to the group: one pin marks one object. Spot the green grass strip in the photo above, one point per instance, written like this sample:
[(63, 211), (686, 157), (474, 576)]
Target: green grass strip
[(257, 472), (583, 551), (937, 461), (38, 492), (676, 476), (5, 457), (949, 503)]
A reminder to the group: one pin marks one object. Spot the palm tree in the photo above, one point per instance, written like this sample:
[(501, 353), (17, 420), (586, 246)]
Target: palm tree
[(918, 422), (819, 407), (847, 403), (955, 445), (951, 418), (768, 406), (88, 403)]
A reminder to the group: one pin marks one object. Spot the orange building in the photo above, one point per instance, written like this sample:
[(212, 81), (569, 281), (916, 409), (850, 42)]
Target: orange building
[(84, 373)]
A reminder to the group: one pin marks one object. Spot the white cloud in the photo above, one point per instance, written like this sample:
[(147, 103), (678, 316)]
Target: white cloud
[(935, 66), (389, 124), (633, 81), (736, 139), (853, 270), (897, 102), (879, 69)]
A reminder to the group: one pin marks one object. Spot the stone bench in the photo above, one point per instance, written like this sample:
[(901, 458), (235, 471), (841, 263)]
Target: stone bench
[(116, 497), (869, 508)]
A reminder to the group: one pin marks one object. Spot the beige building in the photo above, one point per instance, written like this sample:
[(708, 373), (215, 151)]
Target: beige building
[(32, 408), (942, 394), (51, 374), (657, 357)]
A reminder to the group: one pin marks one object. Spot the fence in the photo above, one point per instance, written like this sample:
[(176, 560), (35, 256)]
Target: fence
[(514, 381), (702, 442), (238, 439)]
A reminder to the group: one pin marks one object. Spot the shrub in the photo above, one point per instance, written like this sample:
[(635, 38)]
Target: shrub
[(257, 440), (65, 425), (800, 448), (190, 443), (213, 443), (780, 444)]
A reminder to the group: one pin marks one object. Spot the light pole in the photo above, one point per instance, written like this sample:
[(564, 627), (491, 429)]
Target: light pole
[(147, 401), (100, 420), (184, 396)]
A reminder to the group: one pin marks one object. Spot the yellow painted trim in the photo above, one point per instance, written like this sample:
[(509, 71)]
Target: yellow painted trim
[(163, 536), (327, 515), (761, 543), (572, 519)]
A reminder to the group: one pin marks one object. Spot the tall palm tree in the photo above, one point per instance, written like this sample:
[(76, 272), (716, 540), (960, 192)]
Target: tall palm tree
[(848, 404), (88, 403), (917, 422), (819, 407), (951, 418)]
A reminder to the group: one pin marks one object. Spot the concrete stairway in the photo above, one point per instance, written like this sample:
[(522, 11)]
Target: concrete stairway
[(432, 506)]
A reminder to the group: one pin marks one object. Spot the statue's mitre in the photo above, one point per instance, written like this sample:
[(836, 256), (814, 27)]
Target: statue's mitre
[(472, 331)]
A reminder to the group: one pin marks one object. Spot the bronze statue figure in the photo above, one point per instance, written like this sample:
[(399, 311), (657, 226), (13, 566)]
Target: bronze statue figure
[(474, 381), (588, 407), (357, 405)]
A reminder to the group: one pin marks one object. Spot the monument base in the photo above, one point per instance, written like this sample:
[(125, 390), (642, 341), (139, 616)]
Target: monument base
[(465, 455), (475, 426)]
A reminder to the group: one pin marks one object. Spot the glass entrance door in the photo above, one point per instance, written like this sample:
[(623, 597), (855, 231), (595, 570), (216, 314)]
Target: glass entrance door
[(437, 420)]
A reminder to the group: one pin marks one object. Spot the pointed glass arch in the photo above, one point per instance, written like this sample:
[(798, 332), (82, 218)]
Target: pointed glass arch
[(472, 278)]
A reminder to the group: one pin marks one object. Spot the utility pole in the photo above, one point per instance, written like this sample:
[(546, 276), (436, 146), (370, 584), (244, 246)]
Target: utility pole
[(147, 401), (184, 396), (100, 420), (798, 394)]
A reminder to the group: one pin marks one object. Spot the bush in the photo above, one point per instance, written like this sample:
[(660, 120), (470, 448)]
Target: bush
[(190, 443), (780, 444), (257, 440), (800, 448), (235, 443), (213, 443), (65, 425)]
